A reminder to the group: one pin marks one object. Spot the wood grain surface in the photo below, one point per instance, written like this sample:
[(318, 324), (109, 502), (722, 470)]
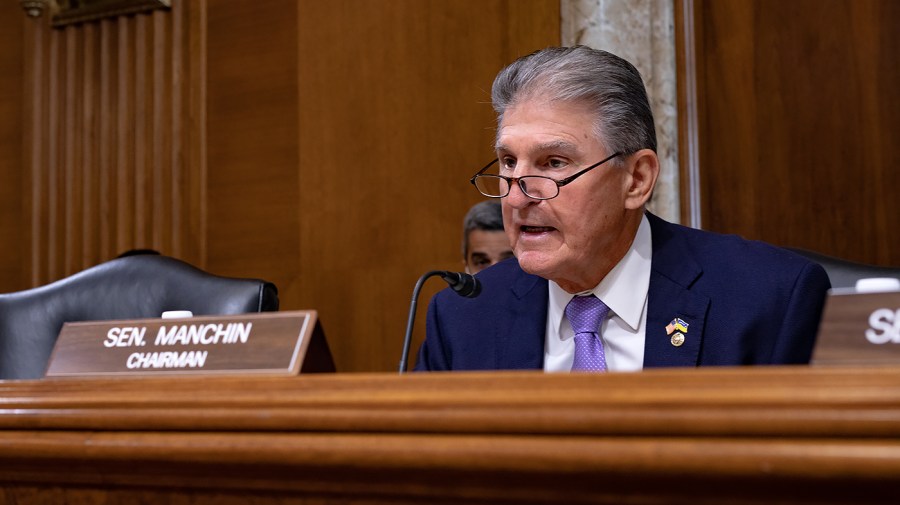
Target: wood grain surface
[(321, 146), (796, 116), (743, 435)]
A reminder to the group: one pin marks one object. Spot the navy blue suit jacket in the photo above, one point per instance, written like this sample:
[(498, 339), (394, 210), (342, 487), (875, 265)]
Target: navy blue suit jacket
[(745, 302)]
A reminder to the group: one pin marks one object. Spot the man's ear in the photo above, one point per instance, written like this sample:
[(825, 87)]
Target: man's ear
[(644, 170)]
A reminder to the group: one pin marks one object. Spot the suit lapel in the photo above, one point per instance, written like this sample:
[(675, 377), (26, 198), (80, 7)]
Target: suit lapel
[(520, 339), (673, 271), (521, 328)]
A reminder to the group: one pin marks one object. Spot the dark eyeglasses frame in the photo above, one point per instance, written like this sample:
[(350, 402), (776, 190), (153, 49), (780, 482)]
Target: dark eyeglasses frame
[(518, 180)]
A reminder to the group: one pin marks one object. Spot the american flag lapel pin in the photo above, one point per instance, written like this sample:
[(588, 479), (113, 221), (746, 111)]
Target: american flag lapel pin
[(677, 329)]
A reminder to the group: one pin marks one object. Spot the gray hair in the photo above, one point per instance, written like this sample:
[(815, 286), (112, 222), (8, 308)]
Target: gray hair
[(486, 215), (607, 83)]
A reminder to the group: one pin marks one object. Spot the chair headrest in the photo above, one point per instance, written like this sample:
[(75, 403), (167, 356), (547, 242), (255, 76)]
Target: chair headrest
[(131, 287), (844, 273)]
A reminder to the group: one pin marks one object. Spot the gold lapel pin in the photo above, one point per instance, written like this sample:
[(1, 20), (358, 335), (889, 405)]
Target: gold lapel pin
[(678, 329)]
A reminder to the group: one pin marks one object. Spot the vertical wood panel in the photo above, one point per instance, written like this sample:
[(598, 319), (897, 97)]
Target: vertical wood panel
[(124, 135), (177, 128), (252, 145), (71, 140), (394, 119), (90, 176), (798, 132), (192, 170), (53, 137), (341, 137), (162, 131), (108, 217), (143, 96), (33, 164), (104, 171), (14, 113)]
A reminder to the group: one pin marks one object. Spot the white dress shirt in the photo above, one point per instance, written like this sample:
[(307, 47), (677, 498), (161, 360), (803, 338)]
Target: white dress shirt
[(624, 290)]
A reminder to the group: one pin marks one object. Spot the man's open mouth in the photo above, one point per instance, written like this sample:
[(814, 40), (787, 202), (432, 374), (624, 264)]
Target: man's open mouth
[(536, 229)]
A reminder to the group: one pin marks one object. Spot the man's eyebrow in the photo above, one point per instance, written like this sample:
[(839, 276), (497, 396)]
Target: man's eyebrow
[(556, 145)]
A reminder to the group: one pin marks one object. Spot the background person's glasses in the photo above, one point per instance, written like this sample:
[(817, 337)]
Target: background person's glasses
[(537, 187)]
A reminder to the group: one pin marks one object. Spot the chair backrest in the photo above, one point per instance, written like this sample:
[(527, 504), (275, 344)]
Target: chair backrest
[(843, 273), (131, 287)]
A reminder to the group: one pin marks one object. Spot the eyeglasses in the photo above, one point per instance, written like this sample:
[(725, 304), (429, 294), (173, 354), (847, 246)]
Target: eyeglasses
[(537, 187)]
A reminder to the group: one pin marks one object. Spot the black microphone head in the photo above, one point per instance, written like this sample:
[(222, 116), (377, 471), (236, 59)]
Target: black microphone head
[(463, 284)]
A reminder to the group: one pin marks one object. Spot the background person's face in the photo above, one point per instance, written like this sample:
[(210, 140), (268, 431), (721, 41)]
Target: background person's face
[(577, 237), (485, 249)]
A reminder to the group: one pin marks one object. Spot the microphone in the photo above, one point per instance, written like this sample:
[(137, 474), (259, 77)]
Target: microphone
[(464, 284), (461, 283)]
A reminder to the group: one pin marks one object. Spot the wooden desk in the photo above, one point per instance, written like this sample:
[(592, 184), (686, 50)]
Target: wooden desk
[(762, 435)]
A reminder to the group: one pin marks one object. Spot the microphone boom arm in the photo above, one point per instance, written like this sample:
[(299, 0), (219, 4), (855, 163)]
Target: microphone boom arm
[(463, 284)]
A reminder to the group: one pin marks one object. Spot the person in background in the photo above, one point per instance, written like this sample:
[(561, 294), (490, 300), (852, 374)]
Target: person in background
[(598, 283), (484, 242)]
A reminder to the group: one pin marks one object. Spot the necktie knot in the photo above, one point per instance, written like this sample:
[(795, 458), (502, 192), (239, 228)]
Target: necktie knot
[(586, 314)]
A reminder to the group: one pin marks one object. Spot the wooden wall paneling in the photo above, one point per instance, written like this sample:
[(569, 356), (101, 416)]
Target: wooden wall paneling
[(394, 118), (252, 181), (874, 117), (103, 171), (13, 110), (797, 135), (90, 177), (142, 87), (124, 135), (54, 194), (179, 127), (71, 167), (337, 153), (729, 94), (108, 109), (189, 149), (35, 100), (161, 167)]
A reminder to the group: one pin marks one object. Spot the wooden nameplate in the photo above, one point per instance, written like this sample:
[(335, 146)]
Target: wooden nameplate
[(275, 343), (859, 329)]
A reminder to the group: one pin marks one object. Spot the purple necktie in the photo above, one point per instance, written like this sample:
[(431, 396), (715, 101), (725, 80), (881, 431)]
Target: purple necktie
[(586, 313)]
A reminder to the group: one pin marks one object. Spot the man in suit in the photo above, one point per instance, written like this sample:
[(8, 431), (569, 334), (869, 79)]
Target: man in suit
[(597, 282), (484, 242)]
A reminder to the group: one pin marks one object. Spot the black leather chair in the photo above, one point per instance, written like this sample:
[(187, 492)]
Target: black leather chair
[(130, 287), (843, 273)]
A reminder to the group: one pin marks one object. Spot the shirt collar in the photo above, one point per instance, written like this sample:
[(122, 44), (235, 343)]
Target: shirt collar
[(624, 289)]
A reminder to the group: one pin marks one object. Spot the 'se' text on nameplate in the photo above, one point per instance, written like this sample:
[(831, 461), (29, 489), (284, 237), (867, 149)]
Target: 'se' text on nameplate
[(859, 329), (271, 343)]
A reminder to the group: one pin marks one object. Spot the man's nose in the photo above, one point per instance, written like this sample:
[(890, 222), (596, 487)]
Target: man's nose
[(517, 198)]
